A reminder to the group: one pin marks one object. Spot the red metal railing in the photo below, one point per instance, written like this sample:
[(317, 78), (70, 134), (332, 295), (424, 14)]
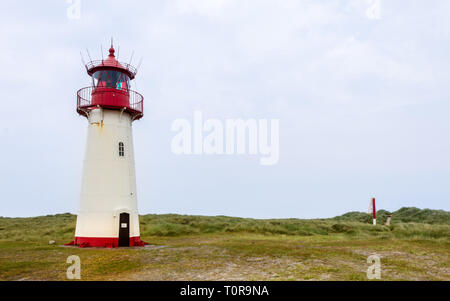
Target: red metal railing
[(97, 63), (105, 98)]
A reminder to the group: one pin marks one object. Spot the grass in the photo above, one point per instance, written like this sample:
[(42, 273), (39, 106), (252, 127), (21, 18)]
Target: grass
[(228, 248)]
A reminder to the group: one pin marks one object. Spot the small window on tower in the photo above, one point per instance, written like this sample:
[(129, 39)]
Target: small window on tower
[(121, 149)]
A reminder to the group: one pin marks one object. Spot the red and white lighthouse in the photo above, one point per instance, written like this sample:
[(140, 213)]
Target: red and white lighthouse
[(108, 214)]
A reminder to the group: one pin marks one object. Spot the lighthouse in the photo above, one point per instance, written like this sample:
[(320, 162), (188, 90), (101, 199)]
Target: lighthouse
[(108, 214)]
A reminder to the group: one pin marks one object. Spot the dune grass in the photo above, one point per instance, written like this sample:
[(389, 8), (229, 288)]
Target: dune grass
[(229, 248), (61, 227)]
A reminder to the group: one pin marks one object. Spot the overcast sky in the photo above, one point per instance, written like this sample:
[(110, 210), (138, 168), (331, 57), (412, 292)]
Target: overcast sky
[(363, 101)]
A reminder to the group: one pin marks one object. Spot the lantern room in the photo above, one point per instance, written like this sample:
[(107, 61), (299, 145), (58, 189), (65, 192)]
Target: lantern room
[(110, 88)]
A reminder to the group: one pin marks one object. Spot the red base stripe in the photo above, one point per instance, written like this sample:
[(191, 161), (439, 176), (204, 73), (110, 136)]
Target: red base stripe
[(104, 242)]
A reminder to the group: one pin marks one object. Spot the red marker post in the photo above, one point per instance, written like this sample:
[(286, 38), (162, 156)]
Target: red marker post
[(374, 212)]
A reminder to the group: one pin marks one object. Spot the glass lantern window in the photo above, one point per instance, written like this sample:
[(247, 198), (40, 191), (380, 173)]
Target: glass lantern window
[(111, 79)]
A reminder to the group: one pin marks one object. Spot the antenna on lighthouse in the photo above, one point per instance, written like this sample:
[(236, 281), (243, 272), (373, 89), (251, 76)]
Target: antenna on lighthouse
[(101, 49), (87, 50), (82, 60), (131, 58), (139, 65), (118, 52)]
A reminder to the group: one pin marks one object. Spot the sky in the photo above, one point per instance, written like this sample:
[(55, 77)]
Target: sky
[(360, 88)]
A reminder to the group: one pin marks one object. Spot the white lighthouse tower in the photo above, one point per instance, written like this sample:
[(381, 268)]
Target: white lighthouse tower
[(108, 215)]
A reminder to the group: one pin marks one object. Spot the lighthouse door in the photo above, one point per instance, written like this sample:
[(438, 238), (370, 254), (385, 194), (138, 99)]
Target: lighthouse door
[(124, 230)]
